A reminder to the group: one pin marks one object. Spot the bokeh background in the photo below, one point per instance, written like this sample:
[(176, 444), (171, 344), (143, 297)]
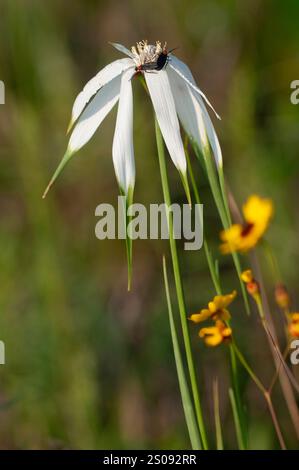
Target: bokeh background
[(89, 365)]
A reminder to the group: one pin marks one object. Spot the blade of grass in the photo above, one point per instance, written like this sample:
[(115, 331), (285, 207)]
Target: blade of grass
[(221, 207), (129, 241), (214, 271), (265, 393), (185, 394), (236, 419), (179, 288), (224, 194), (210, 261), (219, 439), (237, 393)]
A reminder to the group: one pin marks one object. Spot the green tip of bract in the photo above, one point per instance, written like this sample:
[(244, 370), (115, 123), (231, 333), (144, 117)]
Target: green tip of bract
[(47, 189), (68, 154), (129, 242), (129, 248), (127, 197), (129, 277), (184, 179), (69, 127)]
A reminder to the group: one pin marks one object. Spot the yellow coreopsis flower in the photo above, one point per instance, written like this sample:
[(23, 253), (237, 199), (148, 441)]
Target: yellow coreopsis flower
[(243, 237), (215, 335), (216, 309), (294, 325)]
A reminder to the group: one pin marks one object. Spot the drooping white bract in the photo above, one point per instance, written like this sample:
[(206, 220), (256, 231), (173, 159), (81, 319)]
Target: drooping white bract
[(175, 97)]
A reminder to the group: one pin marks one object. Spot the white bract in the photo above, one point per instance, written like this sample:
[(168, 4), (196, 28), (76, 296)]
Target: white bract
[(175, 97)]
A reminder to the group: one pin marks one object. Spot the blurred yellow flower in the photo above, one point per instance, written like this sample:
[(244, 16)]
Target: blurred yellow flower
[(247, 276), (252, 285), (216, 309), (243, 237), (294, 325), (282, 297), (215, 335)]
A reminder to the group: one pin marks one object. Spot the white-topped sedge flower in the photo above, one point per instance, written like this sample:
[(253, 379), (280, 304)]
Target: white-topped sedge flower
[(174, 94), (175, 97)]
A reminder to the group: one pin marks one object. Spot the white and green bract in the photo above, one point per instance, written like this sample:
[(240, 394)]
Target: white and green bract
[(175, 98)]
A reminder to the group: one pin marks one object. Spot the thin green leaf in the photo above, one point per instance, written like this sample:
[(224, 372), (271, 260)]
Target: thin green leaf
[(180, 290), (184, 179), (129, 242), (222, 207), (219, 439), (236, 419), (185, 394), (67, 156), (217, 268)]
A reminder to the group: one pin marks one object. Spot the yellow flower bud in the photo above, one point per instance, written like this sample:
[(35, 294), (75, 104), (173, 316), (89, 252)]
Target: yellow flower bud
[(282, 297), (247, 276)]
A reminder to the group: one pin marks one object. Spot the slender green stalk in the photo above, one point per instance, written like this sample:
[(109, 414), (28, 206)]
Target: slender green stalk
[(219, 439), (179, 288), (185, 394), (127, 200), (216, 282), (284, 377), (248, 369), (222, 210), (280, 358), (272, 260), (260, 307), (214, 274), (224, 194), (236, 419), (229, 222), (275, 421), (265, 393), (274, 346), (214, 184), (277, 370), (237, 396)]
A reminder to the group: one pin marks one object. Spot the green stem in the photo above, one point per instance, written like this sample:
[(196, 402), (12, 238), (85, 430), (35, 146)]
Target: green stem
[(266, 394), (126, 220), (218, 428), (237, 396), (222, 208), (179, 289), (272, 260), (215, 279), (248, 369), (184, 389), (260, 308), (236, 419), (275, 347), (209, 258), (224, 194)]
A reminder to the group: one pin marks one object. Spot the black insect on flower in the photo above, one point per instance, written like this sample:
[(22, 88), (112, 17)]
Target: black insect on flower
[(152, 58), (157, 65)]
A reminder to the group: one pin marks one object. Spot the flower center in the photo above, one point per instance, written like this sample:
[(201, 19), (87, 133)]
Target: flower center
[(148, 56), (247, 228)]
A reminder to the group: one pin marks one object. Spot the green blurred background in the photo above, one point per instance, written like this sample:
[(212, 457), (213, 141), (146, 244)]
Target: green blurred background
[(89, 365)]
